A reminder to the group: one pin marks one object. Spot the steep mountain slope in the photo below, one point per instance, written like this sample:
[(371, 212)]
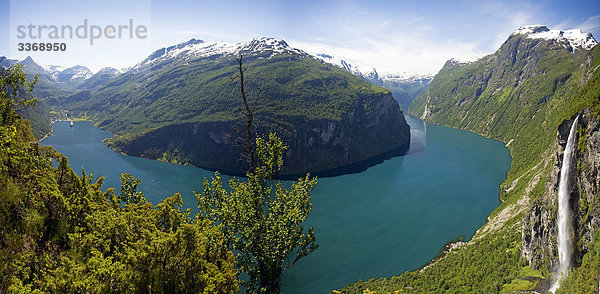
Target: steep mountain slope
[(526, 94), (180, 103), (526, 83), (404, 87)]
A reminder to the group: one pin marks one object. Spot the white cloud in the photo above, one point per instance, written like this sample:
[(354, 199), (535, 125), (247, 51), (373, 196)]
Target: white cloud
[(591, 24), (421, 43), (409, 43)]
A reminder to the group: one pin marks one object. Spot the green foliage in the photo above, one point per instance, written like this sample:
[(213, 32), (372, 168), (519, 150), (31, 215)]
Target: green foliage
[(484, 266), (60, 233), (527, 280), (129, 186), (260, 221), (13, 86)]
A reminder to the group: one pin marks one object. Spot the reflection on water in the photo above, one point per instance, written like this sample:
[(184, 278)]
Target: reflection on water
[(418, 134)]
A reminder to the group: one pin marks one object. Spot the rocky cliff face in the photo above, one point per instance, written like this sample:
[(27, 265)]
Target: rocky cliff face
[(539, 229), (373, 125)]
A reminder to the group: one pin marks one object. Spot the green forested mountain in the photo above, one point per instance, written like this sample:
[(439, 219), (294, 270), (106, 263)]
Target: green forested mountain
[(180, 104), (62, 233), (526, 94)]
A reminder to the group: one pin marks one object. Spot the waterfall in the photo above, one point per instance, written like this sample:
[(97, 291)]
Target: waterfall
[(564, 212)]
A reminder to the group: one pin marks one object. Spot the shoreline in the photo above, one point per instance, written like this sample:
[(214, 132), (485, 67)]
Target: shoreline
[(52, 130), (446, 249)]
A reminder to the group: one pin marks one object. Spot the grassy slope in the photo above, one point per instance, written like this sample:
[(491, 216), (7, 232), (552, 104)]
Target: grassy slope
[(529, 114)]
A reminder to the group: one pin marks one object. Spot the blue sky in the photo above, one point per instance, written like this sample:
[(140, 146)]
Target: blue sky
[(392, 36)]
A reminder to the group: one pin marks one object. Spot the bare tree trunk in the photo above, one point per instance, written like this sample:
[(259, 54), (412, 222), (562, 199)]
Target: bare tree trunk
[(270, 277), (249, 113)]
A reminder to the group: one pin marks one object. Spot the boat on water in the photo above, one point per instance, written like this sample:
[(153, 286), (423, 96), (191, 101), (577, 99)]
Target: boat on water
[(71, 123)]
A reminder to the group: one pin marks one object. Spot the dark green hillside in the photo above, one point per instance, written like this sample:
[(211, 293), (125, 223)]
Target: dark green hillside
[(39, 116), (184, 112)]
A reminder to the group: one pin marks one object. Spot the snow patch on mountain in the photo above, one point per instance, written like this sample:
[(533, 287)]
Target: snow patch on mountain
[(339, 63), (574, 38), (267, 44), (53, 70), (372, 74), (460, 61), (194, 49), (407, 77), (77, 72)]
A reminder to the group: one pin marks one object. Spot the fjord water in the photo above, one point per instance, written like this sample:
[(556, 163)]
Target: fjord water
[(390, 218)]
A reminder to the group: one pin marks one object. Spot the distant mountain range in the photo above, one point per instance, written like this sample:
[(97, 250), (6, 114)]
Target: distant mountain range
[(404, 86), (67, 79)]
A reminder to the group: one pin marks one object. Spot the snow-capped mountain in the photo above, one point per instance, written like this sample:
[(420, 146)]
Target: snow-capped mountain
[(102, 76), (262, 45), (373, 75), (194, 49), (267, 47), (570, 38), (407, 77), (77, 72), (54, 70), (340, 63), (404, 86), (459, 62)]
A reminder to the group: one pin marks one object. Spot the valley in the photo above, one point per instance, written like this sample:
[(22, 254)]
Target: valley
[(214, 166)]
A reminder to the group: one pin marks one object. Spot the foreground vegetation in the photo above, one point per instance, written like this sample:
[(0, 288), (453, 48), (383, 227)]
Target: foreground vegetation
[(60, 233), (261, 221)]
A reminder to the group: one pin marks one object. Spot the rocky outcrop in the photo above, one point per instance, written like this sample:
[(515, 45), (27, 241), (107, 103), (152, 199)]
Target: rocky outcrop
[(539, 229), (373, 126)]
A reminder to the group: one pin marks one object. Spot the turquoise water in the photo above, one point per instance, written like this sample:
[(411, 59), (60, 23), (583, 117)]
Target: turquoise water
[(393, 217)]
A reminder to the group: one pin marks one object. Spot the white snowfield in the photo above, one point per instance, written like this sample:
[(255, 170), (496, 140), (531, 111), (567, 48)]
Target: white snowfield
[(372, 74), (79, 72), (575, 38), (194, 49), (202, 49)]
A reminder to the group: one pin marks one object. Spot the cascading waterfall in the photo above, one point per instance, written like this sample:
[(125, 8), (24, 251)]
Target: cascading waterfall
[(564, 212)]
